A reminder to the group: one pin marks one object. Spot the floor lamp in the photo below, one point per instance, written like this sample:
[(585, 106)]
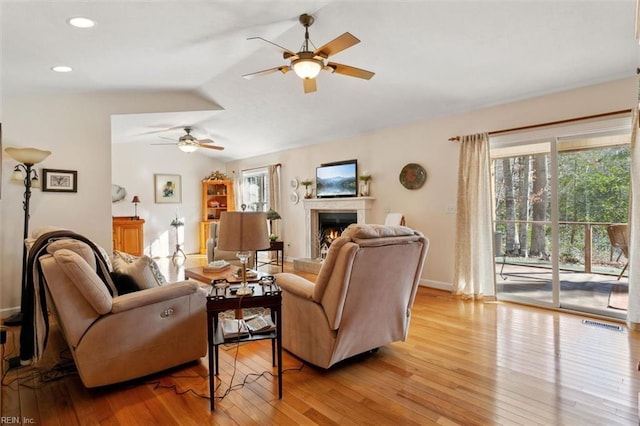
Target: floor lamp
[(27, 157), (243, 232)]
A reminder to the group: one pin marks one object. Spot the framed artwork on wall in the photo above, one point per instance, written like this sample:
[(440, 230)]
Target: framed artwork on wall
[(168, 188), (54, 180)]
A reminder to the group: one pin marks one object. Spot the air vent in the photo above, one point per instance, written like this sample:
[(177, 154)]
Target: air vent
[(612, 327)]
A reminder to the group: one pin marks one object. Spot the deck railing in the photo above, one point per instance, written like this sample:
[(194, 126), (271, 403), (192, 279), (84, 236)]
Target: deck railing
[(585, 244)]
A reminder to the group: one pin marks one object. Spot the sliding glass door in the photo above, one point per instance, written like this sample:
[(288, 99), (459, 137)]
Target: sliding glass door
[(554, 203)]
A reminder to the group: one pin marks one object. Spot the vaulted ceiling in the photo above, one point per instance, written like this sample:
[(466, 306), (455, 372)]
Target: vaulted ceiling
[(430, 58)]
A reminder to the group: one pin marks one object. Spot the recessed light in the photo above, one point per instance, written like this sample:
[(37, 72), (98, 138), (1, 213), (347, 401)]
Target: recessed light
[(61, 68), (80, 22)]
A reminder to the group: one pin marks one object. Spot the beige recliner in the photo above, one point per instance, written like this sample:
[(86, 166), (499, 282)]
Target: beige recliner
[(213, 253), (361, 299), (114, 339)]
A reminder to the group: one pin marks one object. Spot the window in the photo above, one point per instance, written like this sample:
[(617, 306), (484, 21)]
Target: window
[(255, 189)]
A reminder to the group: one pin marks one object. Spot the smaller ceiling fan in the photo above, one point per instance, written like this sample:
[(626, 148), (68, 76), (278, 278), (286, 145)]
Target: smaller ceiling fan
[(307, 64), (188, 143)]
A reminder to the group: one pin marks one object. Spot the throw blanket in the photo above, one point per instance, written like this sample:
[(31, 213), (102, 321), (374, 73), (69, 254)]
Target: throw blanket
[(35, 321)]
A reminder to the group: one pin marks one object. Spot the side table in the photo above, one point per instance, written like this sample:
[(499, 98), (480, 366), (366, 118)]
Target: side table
[(263, 297), (278, 247)]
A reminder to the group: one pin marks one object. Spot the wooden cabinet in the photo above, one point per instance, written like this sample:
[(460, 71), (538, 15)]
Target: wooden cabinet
[(217, 197), (128, 234)]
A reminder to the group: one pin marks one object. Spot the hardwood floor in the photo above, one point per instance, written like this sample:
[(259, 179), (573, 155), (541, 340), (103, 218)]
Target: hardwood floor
[(466, 363)]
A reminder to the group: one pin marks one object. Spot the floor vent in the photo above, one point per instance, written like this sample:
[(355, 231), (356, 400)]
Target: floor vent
[(603, 325)]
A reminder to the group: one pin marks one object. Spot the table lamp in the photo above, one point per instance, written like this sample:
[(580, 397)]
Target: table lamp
[(243, 232), (135, 202)]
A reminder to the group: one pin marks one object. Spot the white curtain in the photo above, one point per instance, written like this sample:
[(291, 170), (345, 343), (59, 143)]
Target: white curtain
[(474, 271), (633, 310), (237, 190), (275, 201)]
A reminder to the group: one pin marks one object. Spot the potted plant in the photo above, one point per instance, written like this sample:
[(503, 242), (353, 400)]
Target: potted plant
[(307, 192), (176, 223), (365, 178)]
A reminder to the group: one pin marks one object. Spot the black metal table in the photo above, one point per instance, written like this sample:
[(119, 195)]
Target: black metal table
[(264, 296)]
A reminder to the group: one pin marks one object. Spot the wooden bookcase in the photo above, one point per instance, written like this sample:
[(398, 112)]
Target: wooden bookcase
[(217, 197)]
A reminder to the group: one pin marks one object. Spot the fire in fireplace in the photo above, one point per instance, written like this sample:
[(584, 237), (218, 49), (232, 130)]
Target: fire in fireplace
[(331, 225)]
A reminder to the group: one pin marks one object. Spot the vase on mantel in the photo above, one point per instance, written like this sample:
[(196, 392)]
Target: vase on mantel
[(364, 188), (365, 180)]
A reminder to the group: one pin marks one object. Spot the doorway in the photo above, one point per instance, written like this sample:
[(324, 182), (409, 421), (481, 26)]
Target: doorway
[(554, 199)]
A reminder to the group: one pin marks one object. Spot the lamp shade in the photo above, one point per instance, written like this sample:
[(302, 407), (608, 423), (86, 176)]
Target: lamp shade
[(273, 215), (243, 231), (307, 67), (17, 175), (187, 146), (136, 199), (27, 155)]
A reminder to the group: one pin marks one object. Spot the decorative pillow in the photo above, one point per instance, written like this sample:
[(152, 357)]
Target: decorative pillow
[(155, 269), (140, 270), (124, 283), (129, 258)]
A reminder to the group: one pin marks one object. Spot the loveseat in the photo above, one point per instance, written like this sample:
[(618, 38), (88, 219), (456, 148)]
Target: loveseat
[(117, 332), (361, 299)]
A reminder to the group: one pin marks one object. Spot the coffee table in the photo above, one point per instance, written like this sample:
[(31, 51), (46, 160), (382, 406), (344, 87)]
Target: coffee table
[(199, 274)]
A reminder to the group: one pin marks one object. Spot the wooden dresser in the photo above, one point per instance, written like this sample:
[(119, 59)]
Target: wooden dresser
[(128, 235)]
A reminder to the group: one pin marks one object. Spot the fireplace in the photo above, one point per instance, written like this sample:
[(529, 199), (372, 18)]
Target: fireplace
[(331, 225), (314, 207)]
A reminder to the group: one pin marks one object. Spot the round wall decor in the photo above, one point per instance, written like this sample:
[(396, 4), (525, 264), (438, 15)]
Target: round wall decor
[(294, 198), (413, 176)]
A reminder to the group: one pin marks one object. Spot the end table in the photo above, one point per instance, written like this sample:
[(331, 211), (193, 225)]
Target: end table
[(264, 296)]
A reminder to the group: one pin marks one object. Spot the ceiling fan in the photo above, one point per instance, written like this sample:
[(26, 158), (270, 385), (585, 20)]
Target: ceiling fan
[(188, 143), (307, 64)]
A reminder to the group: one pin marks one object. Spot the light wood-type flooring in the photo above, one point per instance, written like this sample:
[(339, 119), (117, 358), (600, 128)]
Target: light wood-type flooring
[(464, 363)]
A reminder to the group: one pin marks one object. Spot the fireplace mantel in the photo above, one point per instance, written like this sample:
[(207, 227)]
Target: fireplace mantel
[(313, 206)]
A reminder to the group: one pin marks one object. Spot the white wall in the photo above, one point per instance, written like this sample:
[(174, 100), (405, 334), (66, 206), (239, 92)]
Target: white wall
[(76, 128), (134, 167), (384, 154)]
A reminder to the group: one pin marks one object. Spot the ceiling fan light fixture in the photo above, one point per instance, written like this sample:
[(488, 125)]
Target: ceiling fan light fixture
[(307, 67), (187, 146)]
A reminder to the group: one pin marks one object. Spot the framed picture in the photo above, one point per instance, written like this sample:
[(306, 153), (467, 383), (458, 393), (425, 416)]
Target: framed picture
[(168, 188), (59, 180)]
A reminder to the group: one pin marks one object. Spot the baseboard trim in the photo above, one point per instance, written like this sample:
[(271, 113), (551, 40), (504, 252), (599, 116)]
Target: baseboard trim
[(436, 284)]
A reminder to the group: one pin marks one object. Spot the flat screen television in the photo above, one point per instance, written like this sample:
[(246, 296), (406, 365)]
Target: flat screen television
[(338, 179)]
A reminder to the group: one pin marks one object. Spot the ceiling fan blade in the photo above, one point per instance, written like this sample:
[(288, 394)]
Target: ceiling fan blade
[(204, 141), (174, 143), (283, 69), (309, 85), (284, 50), (337, 45), (350, 71), (217, 147), (169, 139)]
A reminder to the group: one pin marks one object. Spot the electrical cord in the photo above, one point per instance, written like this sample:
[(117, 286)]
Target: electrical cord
[(66, 367)]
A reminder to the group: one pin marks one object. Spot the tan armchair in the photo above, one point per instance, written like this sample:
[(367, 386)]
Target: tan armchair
[(114, 339), (361, 299), (213, 253)]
